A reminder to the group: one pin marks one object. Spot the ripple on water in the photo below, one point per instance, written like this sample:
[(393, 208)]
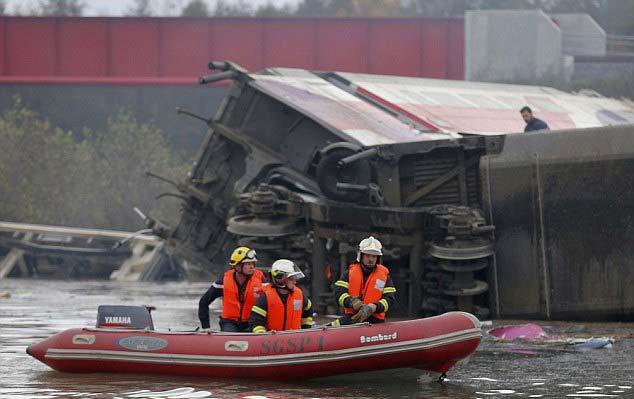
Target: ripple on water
[(161, 394), (177, 393), (7, 391)]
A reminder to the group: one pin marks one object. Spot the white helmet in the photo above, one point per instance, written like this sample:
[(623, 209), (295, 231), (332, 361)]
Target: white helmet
[(285, 268), (370, 246)]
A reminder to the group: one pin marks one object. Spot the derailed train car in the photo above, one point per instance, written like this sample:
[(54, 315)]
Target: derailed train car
[(303, 165)]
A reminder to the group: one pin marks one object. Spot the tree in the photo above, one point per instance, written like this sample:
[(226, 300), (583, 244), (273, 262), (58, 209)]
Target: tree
[(170, 8), (270, 10), (618, 18), (457, 8), (195, 8), (371, 8), (240, 8), (2, 6), (51, 176), (349, 8), (73, 8), (140, 8), (312, 8)]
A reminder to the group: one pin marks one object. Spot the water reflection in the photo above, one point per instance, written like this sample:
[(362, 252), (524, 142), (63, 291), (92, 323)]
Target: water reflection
[(185, 392), (36, 309)]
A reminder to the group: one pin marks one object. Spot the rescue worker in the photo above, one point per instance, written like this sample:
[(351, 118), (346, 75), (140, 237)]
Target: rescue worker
[(283, 306), (365, 290), (239, 288)]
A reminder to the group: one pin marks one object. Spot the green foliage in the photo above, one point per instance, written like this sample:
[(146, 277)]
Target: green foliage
[(195, 8), (47, 176)]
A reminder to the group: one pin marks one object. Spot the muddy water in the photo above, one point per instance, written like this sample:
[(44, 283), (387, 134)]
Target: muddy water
[(36, 309)]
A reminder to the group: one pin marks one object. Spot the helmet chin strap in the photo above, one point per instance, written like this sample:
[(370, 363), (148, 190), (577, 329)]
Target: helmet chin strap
[(276, 284), (282, 287)]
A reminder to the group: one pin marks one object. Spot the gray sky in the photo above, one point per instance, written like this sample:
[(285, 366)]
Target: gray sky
[(119, 7)]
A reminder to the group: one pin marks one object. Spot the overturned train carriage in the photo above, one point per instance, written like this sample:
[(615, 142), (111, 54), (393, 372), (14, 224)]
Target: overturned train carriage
[(303, 165)]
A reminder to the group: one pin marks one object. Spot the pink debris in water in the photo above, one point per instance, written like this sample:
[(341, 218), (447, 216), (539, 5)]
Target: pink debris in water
[(522, 331)]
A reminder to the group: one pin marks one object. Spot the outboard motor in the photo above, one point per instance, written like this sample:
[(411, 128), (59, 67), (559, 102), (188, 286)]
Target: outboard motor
[(118, 316)]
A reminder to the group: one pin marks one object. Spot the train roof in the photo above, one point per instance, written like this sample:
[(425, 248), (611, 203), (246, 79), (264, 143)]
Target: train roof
[(348, 115), (381, 109)]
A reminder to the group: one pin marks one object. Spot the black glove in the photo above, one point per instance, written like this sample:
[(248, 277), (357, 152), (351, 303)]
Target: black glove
[(363, 314), (357, 303)]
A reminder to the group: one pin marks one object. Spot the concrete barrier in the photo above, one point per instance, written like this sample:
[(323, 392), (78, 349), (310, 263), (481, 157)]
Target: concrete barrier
[(580, 34), (512, 46)]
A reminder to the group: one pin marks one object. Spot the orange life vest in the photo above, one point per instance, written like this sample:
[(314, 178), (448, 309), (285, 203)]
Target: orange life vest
[(372, 290), (232, 308), (279, 316)]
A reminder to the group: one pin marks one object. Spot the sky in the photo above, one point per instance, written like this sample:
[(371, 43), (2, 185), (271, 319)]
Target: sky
[(119, 7)]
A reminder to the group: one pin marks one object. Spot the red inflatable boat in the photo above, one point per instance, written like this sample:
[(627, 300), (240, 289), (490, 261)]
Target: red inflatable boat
[(433, 344)]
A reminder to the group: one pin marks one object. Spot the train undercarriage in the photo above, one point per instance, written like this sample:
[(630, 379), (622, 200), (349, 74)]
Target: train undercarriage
[(303, 165)]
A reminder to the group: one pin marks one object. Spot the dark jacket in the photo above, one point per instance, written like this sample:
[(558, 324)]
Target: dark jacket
[(536, 124), (215, 291), (345, 300), (259, 312)]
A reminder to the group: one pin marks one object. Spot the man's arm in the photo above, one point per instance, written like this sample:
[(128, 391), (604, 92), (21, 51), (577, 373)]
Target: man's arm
[(215, 291), (341, 291), (257, 318), (388, 300), (307, 313)]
